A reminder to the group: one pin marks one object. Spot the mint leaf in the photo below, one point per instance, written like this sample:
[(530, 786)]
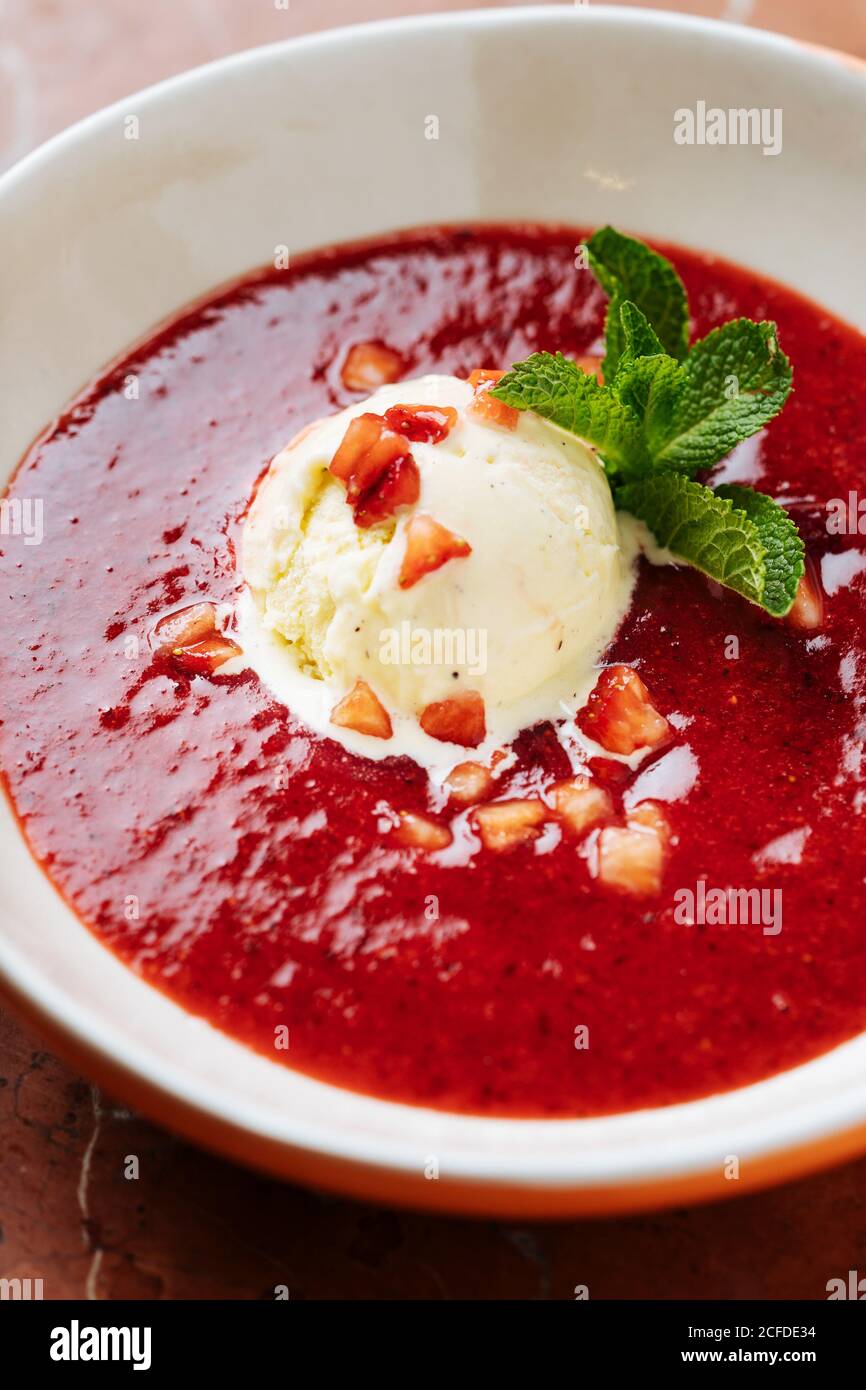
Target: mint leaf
[(732, 382), (644, 369), (650, 386), (743, 541), (558, 390), (627, 269), (784, 562), (639, 337)]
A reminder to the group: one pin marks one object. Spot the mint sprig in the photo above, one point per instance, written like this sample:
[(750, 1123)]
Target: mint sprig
[(667, 412)]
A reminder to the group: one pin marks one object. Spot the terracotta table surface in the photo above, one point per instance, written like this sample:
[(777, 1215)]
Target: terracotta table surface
[(193, 1226)]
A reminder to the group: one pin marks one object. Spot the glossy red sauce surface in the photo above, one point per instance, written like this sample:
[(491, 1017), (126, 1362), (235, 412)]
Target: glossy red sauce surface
[(238, 863)]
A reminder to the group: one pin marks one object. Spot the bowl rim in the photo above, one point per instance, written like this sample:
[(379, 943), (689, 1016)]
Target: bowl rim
[(804, 1139), (513, 14)]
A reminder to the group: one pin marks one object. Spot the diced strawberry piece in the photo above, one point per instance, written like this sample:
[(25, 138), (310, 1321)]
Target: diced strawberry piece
[(609, 772), (619, 714), (191, 640), (367, 449), (579, 803), (423, 424), (421, 833), (205, 657), (504, 824), (591, 365), (399, 486), (485, 377), (428, 547), (184, 628), (649, 816), (363, 711), (630, 860), (494, 412), (807, 613), (369, 365), (469, 783), (459, 719), (486, 407)]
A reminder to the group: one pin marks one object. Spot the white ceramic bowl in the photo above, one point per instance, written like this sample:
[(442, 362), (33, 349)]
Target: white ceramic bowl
[(556, 114)]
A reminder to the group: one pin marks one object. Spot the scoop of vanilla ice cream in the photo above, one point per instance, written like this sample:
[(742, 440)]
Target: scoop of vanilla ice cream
[(541, 593)]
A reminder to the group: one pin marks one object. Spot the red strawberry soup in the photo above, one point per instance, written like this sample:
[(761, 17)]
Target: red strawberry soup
[(655, 890)]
